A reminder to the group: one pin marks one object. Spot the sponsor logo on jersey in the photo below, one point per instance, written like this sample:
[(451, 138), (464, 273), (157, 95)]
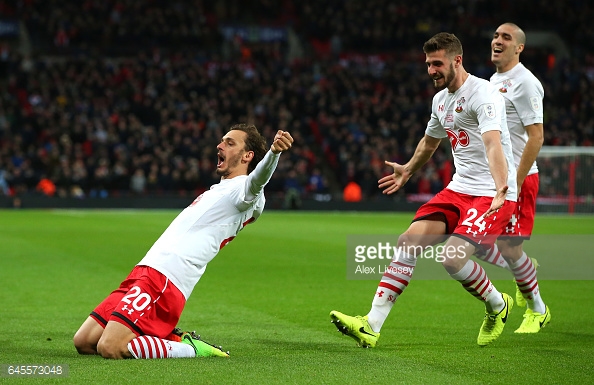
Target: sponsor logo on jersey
[(460, 138)]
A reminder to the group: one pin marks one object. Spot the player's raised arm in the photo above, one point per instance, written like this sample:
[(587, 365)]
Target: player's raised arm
[(263, 172), (402, 173)]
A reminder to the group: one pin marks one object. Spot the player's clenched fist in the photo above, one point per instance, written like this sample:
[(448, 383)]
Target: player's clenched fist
[(282, 142)]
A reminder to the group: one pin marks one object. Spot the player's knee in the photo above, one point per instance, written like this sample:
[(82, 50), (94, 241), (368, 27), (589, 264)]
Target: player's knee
[(414, 241), (83, 345), (408, 241), (451, 264), (111, 350), (403, 240), (511, 249)]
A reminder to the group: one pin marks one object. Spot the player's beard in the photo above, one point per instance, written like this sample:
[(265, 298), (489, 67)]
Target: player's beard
[(447, 78), (232, 163)]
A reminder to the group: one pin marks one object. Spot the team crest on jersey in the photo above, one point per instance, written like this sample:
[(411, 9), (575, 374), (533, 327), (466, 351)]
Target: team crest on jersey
[(459, 103), (506, 84)]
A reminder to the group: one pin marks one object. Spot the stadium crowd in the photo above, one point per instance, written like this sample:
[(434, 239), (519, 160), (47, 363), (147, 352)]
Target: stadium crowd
[(124, 97)]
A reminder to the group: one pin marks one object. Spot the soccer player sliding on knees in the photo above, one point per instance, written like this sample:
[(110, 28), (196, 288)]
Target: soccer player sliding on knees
[(139, 319)]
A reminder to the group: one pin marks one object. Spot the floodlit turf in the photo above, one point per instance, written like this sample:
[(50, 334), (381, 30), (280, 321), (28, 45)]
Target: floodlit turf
[(266, 298)]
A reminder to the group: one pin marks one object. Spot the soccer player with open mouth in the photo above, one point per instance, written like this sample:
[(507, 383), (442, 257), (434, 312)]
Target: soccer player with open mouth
[(139, 319)]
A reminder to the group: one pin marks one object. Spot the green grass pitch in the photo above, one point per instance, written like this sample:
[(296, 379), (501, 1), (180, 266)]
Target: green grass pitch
[(266, 298)]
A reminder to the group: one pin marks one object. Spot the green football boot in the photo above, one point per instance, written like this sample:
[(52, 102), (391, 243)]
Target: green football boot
[(493, 324), (534, 321), (202, 348), (355, 327)]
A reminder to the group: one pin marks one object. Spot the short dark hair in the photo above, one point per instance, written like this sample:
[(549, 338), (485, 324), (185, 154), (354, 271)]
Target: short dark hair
[(519, 34), (446, 41), (254, 142)]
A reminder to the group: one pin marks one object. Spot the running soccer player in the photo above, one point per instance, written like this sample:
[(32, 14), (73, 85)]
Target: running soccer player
[(523, 94), (470, 212), (138, 320)]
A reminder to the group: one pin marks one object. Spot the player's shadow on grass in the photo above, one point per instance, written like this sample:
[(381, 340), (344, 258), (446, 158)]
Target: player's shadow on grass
[(44, 354), (340, 346), (575, 336)]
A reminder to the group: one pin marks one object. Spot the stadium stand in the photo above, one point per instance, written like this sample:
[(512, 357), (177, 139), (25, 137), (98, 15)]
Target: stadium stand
[(110, 98)]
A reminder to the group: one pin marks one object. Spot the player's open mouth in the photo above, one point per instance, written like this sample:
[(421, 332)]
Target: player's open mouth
[(497, 50), (221, 160)]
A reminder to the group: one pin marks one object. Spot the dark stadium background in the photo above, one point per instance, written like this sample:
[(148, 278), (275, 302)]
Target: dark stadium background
[(121, 103)]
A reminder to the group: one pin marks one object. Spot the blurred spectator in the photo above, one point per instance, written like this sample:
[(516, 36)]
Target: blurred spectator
[(293, 190), (76, 192), (352, 192), (46, 187), (318, 186), (436, 184), (4, 188), (138, 182)]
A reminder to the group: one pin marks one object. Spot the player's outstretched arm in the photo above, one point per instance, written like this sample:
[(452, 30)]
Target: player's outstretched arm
[(402, 173), (263, 172)]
